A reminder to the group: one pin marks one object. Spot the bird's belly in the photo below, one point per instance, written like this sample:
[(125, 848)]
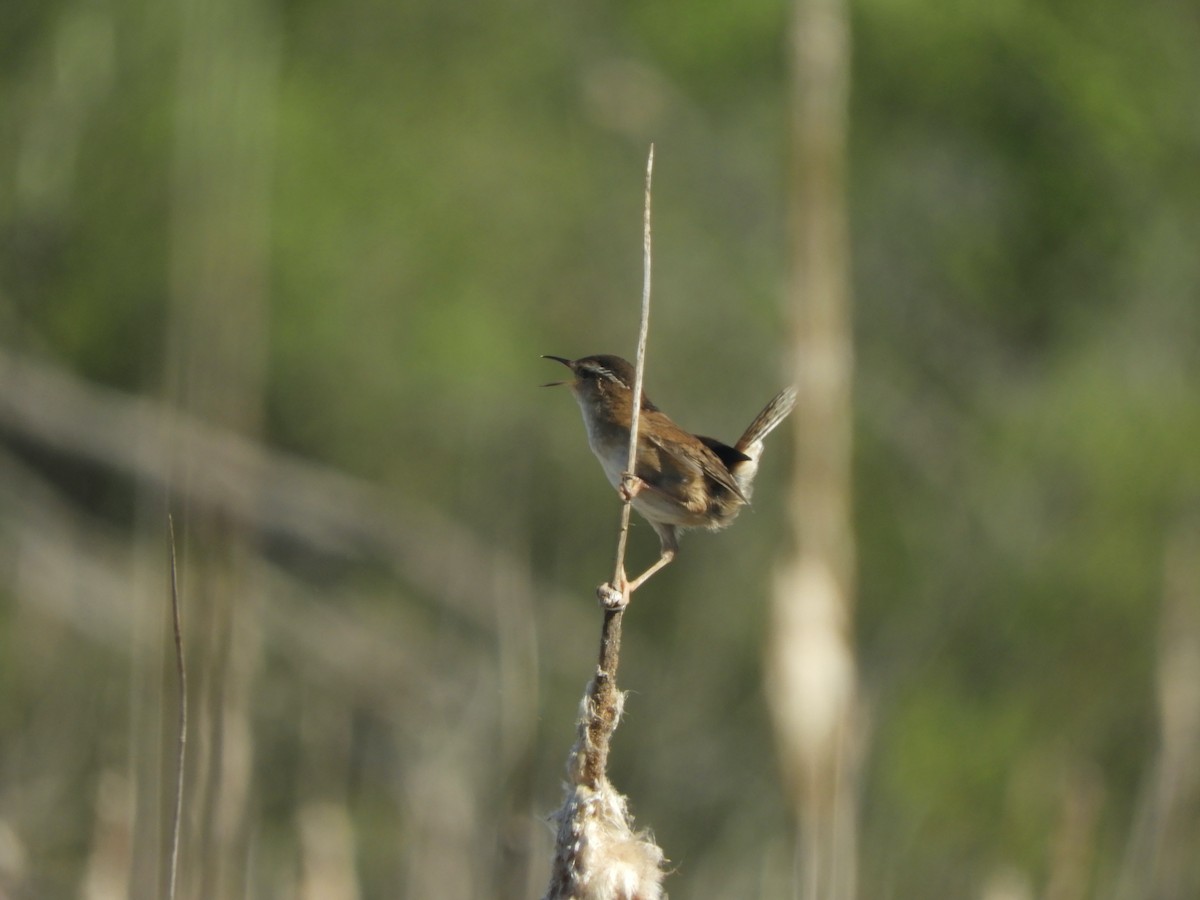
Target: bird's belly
[(657, 507)]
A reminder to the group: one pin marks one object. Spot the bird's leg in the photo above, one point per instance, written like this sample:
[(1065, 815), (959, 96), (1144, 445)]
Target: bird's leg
[(667, 556), (616, 595), (669, 545)]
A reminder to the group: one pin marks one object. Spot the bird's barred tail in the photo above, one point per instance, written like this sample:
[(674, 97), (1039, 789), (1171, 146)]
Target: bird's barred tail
[(767, 420), (750, 443)]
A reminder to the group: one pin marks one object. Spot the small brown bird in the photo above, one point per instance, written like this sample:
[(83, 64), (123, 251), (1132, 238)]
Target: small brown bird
[(682, 480)]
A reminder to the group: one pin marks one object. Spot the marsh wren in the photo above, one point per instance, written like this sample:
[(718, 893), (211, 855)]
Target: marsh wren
[(680, 480)]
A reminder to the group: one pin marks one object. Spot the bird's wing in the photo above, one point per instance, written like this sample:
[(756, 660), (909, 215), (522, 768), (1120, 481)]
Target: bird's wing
[(684, 461), (731, 456)]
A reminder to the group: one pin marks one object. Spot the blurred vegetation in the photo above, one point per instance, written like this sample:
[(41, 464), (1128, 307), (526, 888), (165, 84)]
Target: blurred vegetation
[(346, 232)]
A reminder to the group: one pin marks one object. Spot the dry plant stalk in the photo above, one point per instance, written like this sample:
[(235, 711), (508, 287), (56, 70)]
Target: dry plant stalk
[(598, 854), (181, 744), (811, 671), (1160, 857)]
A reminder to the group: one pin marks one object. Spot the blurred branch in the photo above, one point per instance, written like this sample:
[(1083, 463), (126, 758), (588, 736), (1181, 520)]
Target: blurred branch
[(811, 672), (273, 492), (74, 569), (598, 855)]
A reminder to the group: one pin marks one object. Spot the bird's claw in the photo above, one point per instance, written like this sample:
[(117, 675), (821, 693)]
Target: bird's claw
[(630, 486)]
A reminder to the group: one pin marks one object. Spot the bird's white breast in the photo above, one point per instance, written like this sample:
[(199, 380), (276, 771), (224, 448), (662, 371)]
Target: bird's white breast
[(612, 452)]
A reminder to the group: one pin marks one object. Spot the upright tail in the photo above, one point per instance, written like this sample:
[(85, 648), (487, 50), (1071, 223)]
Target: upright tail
[(750, 444)]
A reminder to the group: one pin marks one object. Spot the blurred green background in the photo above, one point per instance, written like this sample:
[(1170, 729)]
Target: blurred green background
[(336, 238)]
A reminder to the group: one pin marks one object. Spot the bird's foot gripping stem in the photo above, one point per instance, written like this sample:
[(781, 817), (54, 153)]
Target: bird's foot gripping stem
[(630, 486)]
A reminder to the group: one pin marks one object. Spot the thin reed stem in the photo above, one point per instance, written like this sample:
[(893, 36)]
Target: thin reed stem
[(181, 752)]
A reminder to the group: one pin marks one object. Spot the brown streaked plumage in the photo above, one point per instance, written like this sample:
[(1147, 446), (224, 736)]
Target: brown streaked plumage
[(683, 480)]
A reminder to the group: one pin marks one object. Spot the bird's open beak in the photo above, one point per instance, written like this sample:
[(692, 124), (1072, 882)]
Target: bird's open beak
[(565, 362)]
